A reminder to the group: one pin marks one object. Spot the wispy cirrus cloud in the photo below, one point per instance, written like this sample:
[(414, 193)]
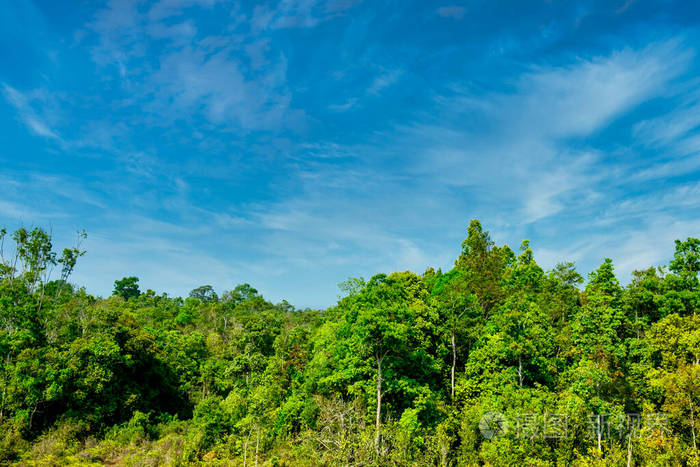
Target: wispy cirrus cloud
[(517, 156), (32, 110), (298, 14), (192, 81), (385, 79), (234, 80), (529, 136)]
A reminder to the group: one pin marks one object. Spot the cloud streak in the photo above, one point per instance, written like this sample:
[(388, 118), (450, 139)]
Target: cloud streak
[(25, 107)]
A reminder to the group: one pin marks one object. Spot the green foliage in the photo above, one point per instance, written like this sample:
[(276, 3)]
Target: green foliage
[(204, 293), (399, 372), (127, 287)]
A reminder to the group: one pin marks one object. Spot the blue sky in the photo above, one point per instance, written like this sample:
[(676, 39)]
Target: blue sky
[(292, 145)]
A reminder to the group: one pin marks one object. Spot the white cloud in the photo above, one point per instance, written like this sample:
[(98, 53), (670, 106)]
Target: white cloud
[(231, 78), (12, 210), (168, 8), (515, 146), (30, 110), (650, 245), (578, 99), (192, 81), (349, 103), (298, 13), (653, 172), (384, 80), (670, 128)]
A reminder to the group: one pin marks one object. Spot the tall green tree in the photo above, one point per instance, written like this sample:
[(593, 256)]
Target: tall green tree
[(127, 287), (483, 264), (204, 293), (460, 313)]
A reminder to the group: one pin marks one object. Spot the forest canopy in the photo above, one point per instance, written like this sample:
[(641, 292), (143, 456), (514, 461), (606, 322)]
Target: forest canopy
[(494, 362)]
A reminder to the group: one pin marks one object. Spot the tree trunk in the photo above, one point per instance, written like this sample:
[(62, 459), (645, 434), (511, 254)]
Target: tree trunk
[(520, 371), (31, 417), (629, 449), (454, 364), (257, 446), (4, 389), (2, 402), (245, 450), (379, 406), (692, 426)]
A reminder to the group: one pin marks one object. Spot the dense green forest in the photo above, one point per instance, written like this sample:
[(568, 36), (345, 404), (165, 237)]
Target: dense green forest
[(493, 362)]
